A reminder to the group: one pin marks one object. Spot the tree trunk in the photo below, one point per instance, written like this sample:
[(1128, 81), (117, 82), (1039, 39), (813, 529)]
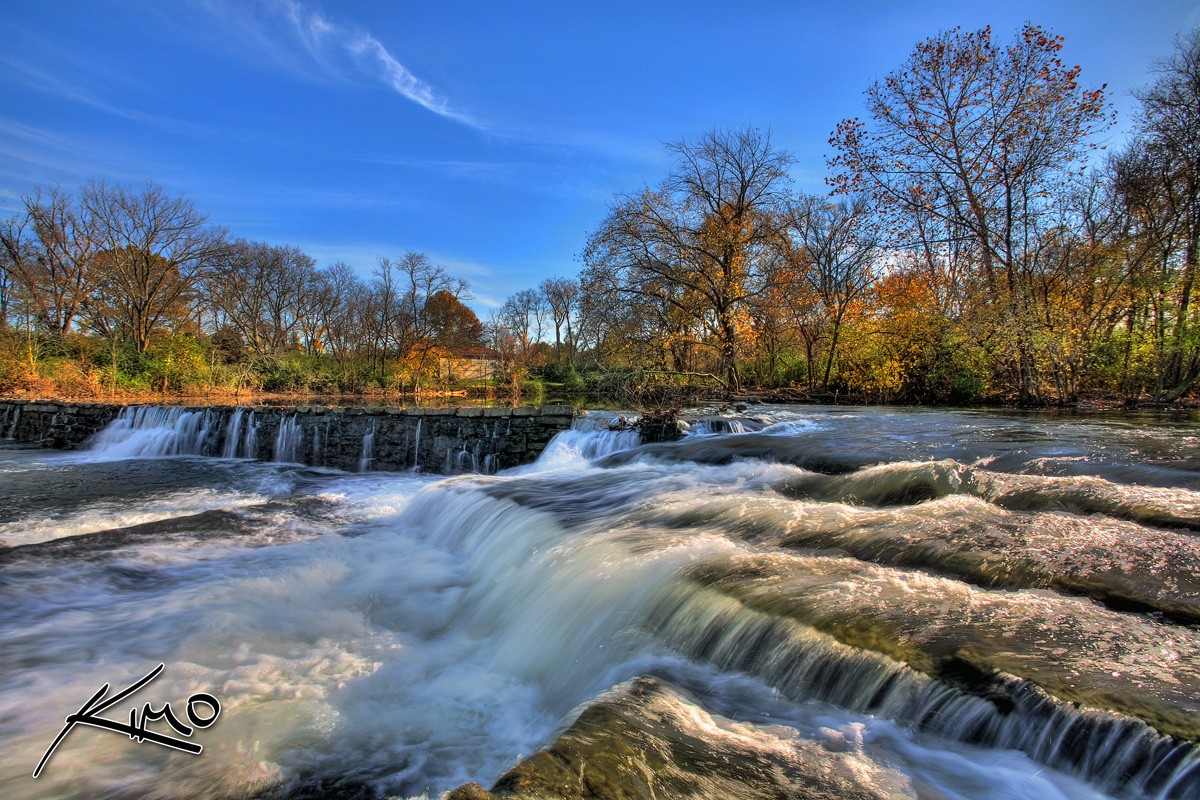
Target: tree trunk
[(728, 351), (833, 343)]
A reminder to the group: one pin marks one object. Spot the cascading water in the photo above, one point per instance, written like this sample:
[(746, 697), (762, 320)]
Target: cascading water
[(250, 447), (416, 465), (717, 425), (367, 456), (942, 613), (233, 434), (16, 419), (158, 431), (153, 431), (470, 459), (296, 438), (288, 440), (591, 438)]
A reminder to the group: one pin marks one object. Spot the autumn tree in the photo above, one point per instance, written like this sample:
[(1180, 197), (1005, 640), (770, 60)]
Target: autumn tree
[(1159, 180), (788, 316), (699, 241), (654, 327), (977, 136), (452, 324), (505, 342), (401, 291)]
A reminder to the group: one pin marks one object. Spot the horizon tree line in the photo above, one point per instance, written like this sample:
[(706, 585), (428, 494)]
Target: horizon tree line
[(973, 244)]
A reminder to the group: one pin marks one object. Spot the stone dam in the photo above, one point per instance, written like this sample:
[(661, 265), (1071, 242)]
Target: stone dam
[(438, 440)]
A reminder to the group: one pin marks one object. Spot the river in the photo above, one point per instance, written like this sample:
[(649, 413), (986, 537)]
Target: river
[(937, 604)]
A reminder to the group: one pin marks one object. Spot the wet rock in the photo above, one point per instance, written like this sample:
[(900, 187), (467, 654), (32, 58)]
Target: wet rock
[(647, 739)]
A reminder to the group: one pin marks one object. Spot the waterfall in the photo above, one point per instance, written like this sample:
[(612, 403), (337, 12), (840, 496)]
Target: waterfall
[(468, 460), (233, 433), (319, 438), (325, 452), (368, 451), (590, 438), (12, 429), (715, 426), (287, 441), (250, 448), (417, 448), (1013, 714), (151, 431), (470, 457)]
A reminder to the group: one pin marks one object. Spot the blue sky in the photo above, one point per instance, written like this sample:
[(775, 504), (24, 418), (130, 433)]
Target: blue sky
[(490, 135)]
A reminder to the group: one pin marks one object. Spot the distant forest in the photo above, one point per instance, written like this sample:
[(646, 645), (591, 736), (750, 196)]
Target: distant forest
[(979, 241)]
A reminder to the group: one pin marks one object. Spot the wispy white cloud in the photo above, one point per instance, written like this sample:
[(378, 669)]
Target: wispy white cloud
[(486, 301), (45, 65), (284, 29), (453, 168), (463, 268), (36, 154), (42, 80)]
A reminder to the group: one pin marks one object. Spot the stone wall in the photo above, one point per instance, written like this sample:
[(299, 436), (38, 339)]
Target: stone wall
[(443, 440), (62, 425)]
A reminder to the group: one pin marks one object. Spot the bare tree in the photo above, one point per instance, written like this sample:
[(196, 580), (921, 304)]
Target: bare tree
[(234, 287), (6, 290), (341, 312), (49, 257), (700, 240), (562, 297), (524, 315), (292, 274), (840, 245), (153, 249), (402, 289), (265, 291)]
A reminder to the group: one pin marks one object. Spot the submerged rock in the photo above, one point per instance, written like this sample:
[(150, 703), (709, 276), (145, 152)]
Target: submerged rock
[(647, 739)]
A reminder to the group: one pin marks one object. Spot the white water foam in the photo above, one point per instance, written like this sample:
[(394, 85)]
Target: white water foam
[(589, 439), (151, 431), (288, 440), (443, 638), (110, 515)]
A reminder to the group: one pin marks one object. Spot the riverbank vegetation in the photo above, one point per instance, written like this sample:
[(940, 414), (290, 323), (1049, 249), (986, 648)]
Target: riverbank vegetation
[(982, 240)]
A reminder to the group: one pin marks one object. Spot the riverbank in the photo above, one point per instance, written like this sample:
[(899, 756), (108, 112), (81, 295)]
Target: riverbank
[(216, 397), (552, 394)]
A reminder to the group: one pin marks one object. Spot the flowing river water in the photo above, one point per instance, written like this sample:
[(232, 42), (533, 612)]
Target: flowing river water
[(931, 604)]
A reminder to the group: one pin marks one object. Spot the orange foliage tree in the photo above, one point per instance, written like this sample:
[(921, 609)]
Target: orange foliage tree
[(975, 139)]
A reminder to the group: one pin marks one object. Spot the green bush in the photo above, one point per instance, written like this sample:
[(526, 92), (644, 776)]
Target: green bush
[(565, 375)]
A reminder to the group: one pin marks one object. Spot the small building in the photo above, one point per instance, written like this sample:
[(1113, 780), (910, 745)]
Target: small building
[(470, 363)]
